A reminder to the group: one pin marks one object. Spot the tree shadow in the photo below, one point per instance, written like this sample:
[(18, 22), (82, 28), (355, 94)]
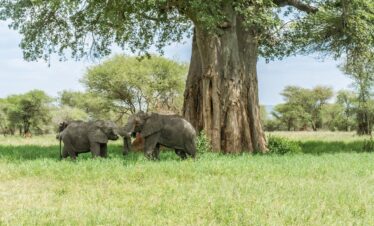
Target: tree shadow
[(332, 147), (34, 152)]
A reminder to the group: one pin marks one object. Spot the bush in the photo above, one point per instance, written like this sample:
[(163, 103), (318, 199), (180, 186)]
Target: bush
[(203, 143), (281, 146)]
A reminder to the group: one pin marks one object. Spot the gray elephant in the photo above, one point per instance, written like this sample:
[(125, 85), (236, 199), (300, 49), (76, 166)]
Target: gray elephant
[(171, 131), (81, 137)]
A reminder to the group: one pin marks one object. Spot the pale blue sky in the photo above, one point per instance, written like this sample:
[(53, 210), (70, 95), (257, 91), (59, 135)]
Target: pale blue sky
[(18, 76)]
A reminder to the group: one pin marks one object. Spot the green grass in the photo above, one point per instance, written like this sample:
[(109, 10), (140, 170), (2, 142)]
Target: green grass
[(36, 188), (323, 136), (327, 142)]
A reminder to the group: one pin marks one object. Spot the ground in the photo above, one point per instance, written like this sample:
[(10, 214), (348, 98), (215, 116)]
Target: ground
[(331, 183)]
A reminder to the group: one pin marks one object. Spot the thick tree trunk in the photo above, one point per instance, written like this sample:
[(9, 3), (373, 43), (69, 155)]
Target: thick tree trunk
[(221, 94)]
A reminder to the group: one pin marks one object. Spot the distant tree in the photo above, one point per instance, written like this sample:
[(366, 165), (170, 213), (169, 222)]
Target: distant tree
[(131, 85), (348, 101), (360, 67), (94, 105), (289, 115), (303, 106), (67, 113), (333, 117), (263, 115), (28, 111), (4, 123)]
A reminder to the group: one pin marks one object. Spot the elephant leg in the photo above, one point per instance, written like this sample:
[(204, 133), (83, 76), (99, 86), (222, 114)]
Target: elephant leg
[(181, 153), (65, 153), (126, 145), (68, 148), (150, 143), (103, 150), (156, 152), (95, 149)]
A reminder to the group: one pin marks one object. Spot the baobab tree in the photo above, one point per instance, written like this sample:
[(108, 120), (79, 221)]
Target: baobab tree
[(229, 36)]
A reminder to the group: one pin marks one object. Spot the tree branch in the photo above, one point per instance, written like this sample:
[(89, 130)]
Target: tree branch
[(297, 4)]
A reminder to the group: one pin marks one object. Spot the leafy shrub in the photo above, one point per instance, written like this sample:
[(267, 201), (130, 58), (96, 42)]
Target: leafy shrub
[(203, 143), (280, 145)]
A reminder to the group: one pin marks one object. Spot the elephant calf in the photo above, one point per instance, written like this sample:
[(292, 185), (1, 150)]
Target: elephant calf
[(167, 130), (81, 137)]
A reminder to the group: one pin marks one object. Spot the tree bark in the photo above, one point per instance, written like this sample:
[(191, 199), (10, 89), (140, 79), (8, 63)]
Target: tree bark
[(221, 94)]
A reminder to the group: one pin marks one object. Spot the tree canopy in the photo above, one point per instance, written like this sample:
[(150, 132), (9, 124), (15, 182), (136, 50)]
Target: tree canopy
[(84, 28), (132, 85), (302, 107), (26, 112)]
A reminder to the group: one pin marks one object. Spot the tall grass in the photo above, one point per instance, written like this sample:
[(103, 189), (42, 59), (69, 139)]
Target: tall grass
[(326, 189)]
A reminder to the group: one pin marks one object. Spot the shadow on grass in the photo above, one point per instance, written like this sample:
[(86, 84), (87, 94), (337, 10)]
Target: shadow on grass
[(33, 152), (321, 147)]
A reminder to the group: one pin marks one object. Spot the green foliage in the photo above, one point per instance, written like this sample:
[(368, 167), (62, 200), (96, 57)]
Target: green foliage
[(93, 105), (302, 107), (203, 143), (360, 67), (92, 27), (130, 85), (29, 111), (339, 27), (263, 115), (273, 125), (281, 145), (67, 113)]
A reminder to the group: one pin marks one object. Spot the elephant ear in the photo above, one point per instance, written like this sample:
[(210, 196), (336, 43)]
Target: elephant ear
[(98, 136), (152, 125)]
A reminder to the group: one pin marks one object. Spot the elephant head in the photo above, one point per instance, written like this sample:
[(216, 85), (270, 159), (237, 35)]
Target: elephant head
[(144, 123), (102, 131)]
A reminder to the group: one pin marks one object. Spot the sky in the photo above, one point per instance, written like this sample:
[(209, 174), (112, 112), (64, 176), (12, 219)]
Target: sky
[(19, 76)]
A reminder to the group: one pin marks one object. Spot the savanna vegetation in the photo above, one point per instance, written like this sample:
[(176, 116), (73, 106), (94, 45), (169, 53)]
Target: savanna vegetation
[(328, 186), (308, 162), (221, 95), (115, 89)]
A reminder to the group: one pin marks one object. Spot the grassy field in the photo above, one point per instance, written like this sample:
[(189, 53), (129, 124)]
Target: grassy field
[(328, 185)]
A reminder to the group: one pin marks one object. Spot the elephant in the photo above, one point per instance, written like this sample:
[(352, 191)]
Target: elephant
[(81, 137), (171, 131)]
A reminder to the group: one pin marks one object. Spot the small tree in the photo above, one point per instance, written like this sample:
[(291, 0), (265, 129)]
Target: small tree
[(93, 105), (67, 113), (131, 85), (28, 111), (303, 106), (4, 123), (360, 67), (289, 115), (348, 101)]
